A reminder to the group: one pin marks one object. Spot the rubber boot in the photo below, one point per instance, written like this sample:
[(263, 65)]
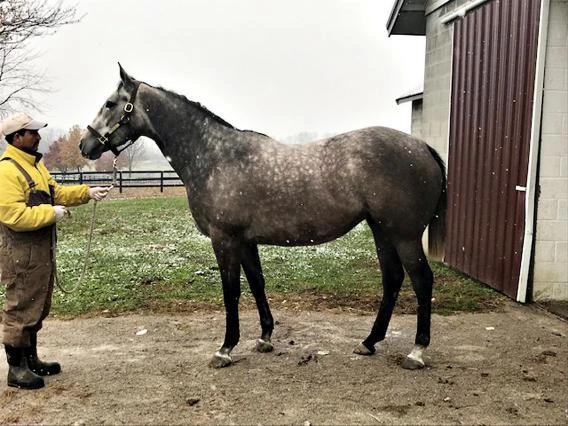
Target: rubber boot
[(35, 364), (19, 375)]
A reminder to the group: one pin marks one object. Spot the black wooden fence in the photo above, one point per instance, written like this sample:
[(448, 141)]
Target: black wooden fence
[(124, 179)]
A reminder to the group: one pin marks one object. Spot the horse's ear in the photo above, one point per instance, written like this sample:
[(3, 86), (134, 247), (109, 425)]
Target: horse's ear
[(126, 79)]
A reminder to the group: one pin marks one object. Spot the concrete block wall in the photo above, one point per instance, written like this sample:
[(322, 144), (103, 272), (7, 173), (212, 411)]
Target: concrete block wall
[(550, 278), (437, 78), (438, 75), (416, 121)]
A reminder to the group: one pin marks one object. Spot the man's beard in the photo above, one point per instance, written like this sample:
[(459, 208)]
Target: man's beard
[(32, 150)]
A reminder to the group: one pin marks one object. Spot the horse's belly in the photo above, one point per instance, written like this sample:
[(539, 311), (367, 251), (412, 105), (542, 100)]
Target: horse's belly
[(294, 231)]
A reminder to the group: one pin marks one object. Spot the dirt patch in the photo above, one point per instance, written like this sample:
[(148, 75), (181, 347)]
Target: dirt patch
[(484, 368)]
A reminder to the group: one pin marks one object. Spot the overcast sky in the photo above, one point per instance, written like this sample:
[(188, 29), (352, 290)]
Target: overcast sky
[(278, 67)]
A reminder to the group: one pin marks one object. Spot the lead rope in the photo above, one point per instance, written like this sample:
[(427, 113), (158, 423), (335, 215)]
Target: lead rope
[(81, 279)]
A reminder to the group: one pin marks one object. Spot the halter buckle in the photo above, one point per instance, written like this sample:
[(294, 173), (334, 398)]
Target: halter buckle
[(128, 107), (103, 140)]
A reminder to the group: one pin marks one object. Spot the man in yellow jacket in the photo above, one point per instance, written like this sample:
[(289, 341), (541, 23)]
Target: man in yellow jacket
[(31, 202)]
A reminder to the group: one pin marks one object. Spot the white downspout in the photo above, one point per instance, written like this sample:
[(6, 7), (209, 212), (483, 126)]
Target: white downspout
[(461, 11), (532, 178)]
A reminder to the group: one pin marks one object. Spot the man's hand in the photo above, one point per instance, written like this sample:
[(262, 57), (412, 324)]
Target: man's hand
[(97, 193), (59, 212)]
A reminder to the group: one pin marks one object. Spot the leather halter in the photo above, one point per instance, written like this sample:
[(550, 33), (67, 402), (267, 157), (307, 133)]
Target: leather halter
[(124, 119)]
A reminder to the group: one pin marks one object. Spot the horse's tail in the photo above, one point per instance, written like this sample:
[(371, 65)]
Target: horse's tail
[(437, 229)]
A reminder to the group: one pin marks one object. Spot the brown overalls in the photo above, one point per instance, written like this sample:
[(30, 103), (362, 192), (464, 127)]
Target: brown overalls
[(27, 267)]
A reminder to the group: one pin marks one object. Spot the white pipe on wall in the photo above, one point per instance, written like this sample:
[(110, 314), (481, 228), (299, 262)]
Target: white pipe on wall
[(532, 177), (460, 12)]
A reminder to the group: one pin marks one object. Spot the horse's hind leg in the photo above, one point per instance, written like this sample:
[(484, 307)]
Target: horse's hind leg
[(416, 265), (393, 275), (253, 271)]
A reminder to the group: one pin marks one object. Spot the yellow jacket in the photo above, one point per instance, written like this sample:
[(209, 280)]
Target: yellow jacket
[(14, 192)]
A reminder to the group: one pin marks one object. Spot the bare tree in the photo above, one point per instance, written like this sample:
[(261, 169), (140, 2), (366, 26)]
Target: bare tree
[(106, 161), (134, 153), (20, 21)]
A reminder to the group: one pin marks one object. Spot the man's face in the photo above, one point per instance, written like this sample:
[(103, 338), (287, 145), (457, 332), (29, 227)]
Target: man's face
[(28, 142)]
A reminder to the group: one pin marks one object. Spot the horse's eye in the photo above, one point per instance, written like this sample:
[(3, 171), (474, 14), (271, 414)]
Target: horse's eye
[(110, 104)]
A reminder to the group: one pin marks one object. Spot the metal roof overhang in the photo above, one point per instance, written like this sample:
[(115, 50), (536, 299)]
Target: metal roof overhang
[(407, 17), (410, 97)]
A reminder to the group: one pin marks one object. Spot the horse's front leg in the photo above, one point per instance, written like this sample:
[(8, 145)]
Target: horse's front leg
[(253, 271), (228, 253)]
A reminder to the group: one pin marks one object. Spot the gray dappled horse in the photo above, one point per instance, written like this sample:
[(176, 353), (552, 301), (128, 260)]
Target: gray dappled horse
[(245, 189)]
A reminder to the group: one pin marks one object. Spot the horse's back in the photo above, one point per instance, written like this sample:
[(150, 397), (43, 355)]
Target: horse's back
[(314, 192)]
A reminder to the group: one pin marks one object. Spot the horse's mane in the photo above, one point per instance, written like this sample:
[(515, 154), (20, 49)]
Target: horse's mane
[(204, 110), (200, 107)]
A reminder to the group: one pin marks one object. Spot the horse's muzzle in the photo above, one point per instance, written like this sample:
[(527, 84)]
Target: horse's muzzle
[(82, 149)]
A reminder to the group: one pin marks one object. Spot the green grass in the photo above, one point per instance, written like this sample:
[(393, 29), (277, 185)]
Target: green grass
[(148, 255)]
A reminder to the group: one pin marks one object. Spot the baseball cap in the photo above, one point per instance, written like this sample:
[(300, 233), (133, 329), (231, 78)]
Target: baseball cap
[(20, 121)]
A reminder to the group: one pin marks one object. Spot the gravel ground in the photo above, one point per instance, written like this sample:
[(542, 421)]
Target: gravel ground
[(508, 367)]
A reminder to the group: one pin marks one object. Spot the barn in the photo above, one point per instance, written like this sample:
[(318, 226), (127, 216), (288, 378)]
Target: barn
[(494, 103)]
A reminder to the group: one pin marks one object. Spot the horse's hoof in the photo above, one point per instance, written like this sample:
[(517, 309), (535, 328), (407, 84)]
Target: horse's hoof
[(361, 349), (409, 363), (220, 360), (264, 346)]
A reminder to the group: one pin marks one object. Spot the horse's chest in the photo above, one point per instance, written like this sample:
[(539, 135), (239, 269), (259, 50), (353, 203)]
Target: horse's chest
[(219, 211)]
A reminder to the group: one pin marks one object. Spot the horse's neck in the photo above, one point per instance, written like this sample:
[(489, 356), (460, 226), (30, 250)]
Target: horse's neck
[(184, 133)]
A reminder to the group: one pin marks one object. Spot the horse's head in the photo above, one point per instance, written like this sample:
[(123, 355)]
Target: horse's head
[(114, 127)]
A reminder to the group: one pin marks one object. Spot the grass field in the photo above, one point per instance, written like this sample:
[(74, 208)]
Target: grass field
[(148, 256)]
